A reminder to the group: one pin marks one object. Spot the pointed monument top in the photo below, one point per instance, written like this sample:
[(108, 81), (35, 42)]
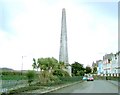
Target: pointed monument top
[(63, 12), (63, 8)]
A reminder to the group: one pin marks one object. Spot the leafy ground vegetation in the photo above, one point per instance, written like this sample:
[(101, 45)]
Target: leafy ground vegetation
[(46, 72)]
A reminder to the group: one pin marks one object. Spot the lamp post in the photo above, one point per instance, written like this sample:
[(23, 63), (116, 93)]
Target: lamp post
[(22, 64)]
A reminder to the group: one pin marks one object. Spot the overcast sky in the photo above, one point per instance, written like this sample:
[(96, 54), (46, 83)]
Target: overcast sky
[(31, 28)]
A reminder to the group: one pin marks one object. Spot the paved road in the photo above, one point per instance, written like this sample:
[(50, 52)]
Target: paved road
[(96, 86)]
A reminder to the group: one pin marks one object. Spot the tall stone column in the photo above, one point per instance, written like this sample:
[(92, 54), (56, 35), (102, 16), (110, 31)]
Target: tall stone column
[(63, 54)]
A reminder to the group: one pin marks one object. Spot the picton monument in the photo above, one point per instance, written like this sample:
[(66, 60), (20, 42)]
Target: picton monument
[(63, 54)]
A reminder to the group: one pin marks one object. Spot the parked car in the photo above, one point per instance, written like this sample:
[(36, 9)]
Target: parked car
[(84, 78), (90, 78)]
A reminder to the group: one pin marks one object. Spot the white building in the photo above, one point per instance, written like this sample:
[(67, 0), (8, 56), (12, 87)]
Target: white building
[(115, 68), (107, 62)]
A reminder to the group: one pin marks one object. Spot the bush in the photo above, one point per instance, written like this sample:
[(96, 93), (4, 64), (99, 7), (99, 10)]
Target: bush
[(80, 73), (30, 76), (60, 72), (71, 79)]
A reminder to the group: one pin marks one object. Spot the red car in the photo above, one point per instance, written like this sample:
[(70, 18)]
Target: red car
[(90, 78)]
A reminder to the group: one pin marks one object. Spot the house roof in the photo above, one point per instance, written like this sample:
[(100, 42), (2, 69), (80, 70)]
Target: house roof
[(108, 56)]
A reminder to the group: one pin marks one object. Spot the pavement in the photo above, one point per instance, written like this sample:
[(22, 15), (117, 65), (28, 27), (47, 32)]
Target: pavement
[(117, 83)]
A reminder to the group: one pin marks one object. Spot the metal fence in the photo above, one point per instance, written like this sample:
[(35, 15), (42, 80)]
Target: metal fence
[(6, 85)]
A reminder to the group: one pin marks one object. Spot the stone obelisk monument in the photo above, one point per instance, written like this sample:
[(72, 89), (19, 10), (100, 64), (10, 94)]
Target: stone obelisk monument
[(63, 54)]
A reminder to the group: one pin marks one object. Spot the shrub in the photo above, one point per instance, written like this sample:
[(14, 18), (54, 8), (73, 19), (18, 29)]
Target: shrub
[(30, 76), (60, 72)]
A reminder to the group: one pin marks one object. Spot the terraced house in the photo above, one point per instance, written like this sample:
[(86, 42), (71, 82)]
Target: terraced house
[(109, 66)]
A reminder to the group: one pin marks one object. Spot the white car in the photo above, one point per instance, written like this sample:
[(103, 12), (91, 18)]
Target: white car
[(84, 78)]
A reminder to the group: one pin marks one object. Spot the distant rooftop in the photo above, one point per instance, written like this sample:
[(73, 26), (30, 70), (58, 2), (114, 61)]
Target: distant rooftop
[(108, 56)]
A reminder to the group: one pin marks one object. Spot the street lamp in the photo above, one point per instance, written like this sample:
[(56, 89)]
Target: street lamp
[(22, 64)]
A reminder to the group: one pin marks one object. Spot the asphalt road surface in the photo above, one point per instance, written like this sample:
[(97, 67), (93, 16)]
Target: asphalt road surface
[(96, 86)]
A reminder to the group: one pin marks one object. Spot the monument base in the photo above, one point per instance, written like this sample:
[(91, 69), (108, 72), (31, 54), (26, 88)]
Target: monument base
[(69, 70)]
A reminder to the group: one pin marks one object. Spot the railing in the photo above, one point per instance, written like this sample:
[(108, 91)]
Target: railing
[(12, 84), (8, 85)]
